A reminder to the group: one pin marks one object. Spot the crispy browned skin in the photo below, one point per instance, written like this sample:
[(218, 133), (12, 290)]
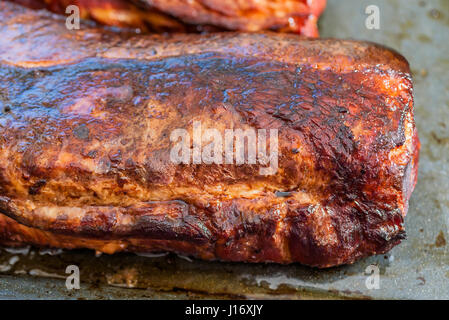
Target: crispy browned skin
[(247, 15), (118, 13), (84, 143), (298, 16)]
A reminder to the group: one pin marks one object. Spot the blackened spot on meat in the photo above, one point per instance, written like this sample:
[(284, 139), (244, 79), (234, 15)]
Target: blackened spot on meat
[(116, 156), (130, 163), (92, 154), (121, 181), (81, 132), (105, 165), (99, 224), (35, 188)]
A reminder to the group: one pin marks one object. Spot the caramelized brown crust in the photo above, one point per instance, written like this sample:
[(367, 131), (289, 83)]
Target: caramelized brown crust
[(298, 16), (249, 15), (84, 142), (118, 13)]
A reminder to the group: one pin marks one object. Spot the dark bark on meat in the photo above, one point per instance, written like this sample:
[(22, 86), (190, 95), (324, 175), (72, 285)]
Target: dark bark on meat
[(86, 118)]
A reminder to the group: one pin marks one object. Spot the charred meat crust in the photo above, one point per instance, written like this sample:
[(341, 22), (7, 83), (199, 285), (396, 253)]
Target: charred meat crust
[(84, 145)]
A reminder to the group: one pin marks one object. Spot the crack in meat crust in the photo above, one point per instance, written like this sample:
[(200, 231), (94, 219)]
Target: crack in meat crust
[(84, 143)]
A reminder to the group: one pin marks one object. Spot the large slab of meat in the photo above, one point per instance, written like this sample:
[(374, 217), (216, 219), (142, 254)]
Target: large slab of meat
[(86, 119), (297, 16)]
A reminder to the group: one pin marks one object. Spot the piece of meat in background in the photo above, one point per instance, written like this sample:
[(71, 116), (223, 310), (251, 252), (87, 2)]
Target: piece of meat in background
[(296, 16)]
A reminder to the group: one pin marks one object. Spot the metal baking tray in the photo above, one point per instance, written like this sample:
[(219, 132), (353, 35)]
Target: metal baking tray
[(416, 269)]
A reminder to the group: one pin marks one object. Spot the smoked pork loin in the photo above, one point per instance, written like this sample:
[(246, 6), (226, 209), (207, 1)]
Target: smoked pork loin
[(87, 117)]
